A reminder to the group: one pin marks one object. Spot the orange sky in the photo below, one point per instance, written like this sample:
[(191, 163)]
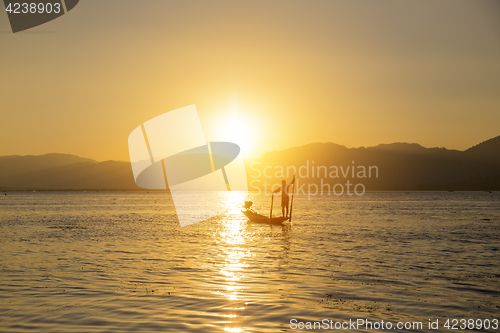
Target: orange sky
[(357, 73)]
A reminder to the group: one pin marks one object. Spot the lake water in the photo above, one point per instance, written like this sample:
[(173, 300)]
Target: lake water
[(120, 262)]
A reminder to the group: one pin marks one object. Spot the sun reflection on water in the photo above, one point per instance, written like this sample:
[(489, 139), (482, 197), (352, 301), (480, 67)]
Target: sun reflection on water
[(232, 241), (233, 330)]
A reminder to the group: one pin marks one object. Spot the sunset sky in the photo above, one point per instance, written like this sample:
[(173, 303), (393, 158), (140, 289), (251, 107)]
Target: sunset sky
[(270, 74)]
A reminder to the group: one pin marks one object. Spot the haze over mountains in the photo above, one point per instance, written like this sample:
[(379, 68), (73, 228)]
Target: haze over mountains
[(64, 172), (401, 166)]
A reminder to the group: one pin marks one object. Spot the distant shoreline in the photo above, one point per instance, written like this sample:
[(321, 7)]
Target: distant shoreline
[(319, 166)]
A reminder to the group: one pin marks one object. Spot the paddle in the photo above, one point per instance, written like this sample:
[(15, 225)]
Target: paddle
[(291, 204), (271, 212)]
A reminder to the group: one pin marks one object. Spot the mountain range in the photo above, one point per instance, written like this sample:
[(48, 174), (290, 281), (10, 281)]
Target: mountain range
[(63, 172), (400, 166), (396, 166)]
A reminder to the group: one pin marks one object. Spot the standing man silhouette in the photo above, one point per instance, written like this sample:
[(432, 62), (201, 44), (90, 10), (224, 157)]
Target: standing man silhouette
[(285, 197)]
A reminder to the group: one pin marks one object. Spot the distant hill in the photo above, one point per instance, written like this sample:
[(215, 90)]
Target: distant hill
[(64, 172), (401, 166), (485, 151), (396, 166), (15, 164)]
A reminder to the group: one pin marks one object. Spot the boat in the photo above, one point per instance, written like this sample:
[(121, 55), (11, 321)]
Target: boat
[(253, 216), (259, 218)]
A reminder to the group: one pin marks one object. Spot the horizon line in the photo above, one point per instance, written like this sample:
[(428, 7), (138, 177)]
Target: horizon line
[(271, 151)]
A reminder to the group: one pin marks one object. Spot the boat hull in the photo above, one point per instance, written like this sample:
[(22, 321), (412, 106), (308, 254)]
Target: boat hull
[(258, 218)]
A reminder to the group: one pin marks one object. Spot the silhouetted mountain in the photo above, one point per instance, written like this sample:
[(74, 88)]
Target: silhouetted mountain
[(396, 166), (15, 164), (64, 172), (486, 151), (400, 166)]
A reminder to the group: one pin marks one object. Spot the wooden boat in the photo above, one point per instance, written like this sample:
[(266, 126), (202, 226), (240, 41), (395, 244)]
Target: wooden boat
[(258, 218), (253, 216)]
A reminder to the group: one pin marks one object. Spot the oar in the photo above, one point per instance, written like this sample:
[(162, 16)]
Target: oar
[(271, 212), (291, 204)]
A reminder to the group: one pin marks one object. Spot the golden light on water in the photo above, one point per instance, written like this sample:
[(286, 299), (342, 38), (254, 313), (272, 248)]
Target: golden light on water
[(227, 329), (233, 269), (233, 254)]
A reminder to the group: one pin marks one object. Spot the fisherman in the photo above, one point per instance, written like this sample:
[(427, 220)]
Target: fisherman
[(284, 188)]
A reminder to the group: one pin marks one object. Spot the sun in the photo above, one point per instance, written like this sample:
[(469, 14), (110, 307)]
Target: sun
[(236, 127)]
